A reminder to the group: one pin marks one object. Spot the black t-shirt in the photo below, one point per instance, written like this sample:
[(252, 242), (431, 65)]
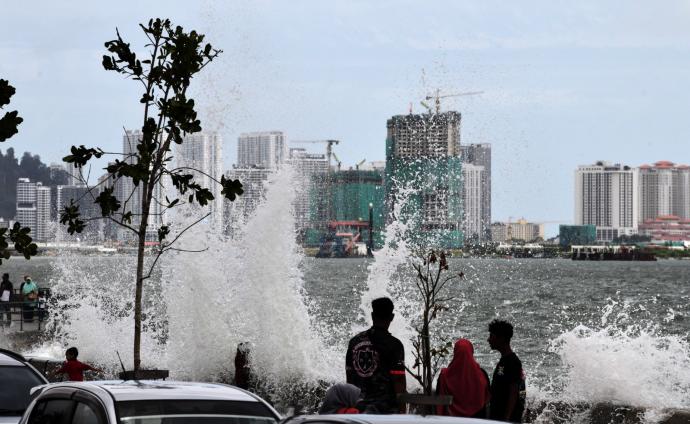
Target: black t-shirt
[(373, 356), (508, 371)]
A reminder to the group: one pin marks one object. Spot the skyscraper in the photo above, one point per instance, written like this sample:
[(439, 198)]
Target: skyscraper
[(606, 196), (423, 176), (480, 155), (26, 203), (472, 200), (310, 168), (664, 191), (33, 208), (130, 195), (266, 149), (203, 153)]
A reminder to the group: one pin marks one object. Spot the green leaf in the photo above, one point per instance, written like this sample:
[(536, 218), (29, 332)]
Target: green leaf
[(109, 204), (9, 124), (231, 188), (6, 92), (81, 155)]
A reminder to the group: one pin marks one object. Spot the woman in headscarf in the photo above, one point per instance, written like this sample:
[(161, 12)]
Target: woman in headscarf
[(466, 381), (341, 398)]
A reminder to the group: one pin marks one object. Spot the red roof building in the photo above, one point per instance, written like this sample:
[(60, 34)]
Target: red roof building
[(666, 228)]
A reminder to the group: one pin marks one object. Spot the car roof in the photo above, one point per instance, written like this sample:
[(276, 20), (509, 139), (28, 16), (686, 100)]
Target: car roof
[(9, 358), (159, 390), (386, 419)]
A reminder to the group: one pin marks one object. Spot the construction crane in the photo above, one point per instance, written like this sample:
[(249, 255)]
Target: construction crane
[(360, 164), (329, 147), (335, 157), (437, 98)]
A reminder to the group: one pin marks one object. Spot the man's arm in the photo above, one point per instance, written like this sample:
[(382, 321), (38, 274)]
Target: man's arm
[(513, 394), (349, 372), (399, 386)]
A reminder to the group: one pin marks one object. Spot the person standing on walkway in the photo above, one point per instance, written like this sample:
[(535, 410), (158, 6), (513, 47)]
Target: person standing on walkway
[(6, 291), (73, 367), (375, 362), (508, 391), (30, 293), (466, 381)]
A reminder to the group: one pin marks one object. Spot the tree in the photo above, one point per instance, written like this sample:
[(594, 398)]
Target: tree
[(17, 235), (174, 57), (432, 281)]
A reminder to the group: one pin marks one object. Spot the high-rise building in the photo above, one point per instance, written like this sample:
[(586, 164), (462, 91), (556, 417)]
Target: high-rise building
[(33, 208), (43, 208), (520, 230), (26, 203), (606, 196), (472, 201), (480, 155), (311, 169), (423, 177), (203, 154), (254, 182), (130, 195), (664, 191), (266, 149), (85, 199)]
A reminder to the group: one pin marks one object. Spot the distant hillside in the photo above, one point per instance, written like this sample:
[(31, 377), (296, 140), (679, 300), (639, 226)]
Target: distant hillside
[(12, 168)]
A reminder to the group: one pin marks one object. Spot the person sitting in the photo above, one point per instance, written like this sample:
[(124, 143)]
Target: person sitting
[(466, 381), (341, 398)]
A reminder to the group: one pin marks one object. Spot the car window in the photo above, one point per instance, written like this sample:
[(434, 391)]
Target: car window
[(14, 390), (194, 411), (52, 411), (84, 414)]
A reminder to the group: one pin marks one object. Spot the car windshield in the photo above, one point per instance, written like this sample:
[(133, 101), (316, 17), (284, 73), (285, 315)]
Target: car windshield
[(194, 411), (15, 387)]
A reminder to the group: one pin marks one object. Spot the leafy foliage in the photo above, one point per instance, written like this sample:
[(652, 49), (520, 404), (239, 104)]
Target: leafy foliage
[(21, 239), (433, 277), (11, 120), (174, 57), (17, 234)]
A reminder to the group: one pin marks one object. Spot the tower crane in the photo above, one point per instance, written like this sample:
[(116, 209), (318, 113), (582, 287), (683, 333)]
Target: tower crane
[(437, 98), (360, 164), (337, 160), (329, 147)]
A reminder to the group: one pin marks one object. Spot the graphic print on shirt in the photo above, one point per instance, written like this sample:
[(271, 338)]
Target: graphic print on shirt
[(365, 358)]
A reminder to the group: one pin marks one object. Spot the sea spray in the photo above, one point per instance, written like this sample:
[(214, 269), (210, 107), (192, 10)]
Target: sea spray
[(252, 291), (623, 361)]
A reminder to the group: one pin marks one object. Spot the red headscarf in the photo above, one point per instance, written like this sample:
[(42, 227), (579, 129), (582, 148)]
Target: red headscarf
[(465, 381)]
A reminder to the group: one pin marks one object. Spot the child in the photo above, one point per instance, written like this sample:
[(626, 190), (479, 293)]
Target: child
[(41, 303), (73, 368)]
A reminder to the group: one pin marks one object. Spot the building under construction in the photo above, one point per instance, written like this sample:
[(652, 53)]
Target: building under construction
[(345, 196), (423, 179)]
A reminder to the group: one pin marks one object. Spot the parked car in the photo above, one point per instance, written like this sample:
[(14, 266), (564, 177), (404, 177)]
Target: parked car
[(381, 419), (17, 377), (146, 402)]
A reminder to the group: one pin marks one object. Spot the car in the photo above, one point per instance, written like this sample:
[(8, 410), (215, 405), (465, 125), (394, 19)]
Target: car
[(146, 402), (18, 376), (381, 419)]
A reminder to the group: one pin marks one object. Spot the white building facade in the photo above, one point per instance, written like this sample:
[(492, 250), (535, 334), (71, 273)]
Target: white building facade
[(265, 149), (664, 191), (472, 200), (33, 208), (606, 196)]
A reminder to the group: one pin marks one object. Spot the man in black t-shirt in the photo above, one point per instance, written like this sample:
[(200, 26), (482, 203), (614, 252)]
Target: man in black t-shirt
[(508, 391), (375, 362)]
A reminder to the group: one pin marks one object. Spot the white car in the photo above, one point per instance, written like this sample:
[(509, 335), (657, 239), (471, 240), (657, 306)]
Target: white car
[(17, 377), (146, 402)]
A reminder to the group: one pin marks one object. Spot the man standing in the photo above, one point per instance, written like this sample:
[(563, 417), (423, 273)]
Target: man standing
[(6, 290), (375, 362), (508, 383)]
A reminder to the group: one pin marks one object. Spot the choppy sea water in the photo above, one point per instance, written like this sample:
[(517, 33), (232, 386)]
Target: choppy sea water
[(585, 331)]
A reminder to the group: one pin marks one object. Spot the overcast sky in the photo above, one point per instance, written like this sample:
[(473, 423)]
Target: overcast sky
[(565, 83)]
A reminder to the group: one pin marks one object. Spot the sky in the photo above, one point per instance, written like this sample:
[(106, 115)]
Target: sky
[(564, 83)]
